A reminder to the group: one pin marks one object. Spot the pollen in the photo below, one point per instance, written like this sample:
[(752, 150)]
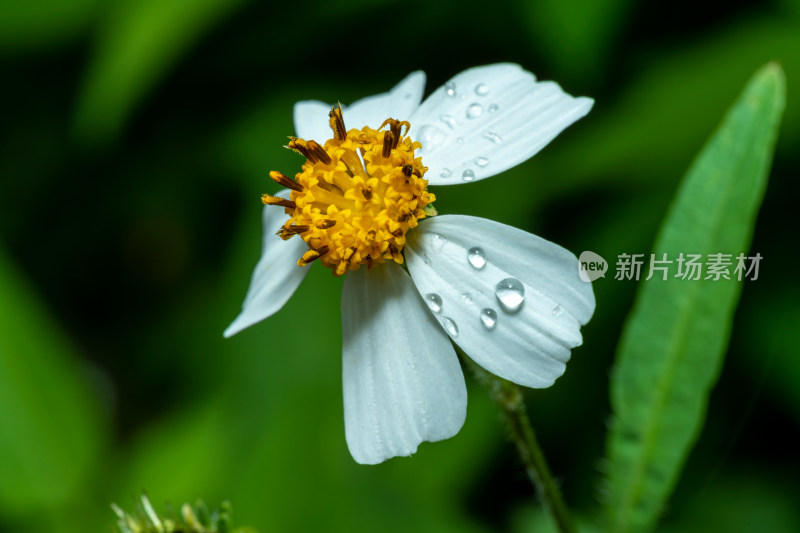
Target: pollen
[(356, 196)]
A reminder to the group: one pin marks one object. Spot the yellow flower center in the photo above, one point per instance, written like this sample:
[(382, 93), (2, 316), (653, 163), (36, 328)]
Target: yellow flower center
[(356, 196)]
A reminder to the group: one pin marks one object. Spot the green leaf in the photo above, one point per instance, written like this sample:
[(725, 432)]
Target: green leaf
[(140, 40), (27, 26), (673, 343), (50, 426)]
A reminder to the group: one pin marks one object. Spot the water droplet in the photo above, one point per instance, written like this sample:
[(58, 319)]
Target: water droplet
[(558, 310), (434, 302), (481, 89), (493, 108), (511, 294), (450, 88), (450, 121), (431, 137), (481, 162), (489, 318), (445, 173), (438, 241), (468, 175), (460, 140), (450, 326), (467, 297), (474, 111), (476, 257), (495, 138)]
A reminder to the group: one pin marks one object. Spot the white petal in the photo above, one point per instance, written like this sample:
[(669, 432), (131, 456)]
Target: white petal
[(311, 120), (489, 119), (530, 346), (276, 275), (399, 104), (311, 116), (402, 380)]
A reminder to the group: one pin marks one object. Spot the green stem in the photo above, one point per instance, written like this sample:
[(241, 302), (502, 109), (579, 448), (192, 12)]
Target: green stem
[(510, 399)]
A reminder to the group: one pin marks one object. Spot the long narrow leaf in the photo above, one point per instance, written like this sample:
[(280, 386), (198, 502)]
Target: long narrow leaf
[(674, 341)]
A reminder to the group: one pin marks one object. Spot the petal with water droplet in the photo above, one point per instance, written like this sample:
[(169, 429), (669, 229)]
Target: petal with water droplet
[(529, 345), (523, 113), (311, 116), (276, 275), (402, 379)]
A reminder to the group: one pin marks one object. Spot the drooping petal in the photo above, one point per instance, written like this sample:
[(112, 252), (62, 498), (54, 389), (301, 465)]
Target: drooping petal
[(276, 275), (489, 119), (462, 260), (402, 381), (311, 116)]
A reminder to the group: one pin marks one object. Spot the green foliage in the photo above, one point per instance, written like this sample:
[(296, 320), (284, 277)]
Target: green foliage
[(140, 40), (30, 26), (672, 348), (51, 431), (135, 144)]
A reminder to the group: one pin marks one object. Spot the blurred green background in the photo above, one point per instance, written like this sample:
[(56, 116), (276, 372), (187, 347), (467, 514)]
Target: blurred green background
[(135, 141)]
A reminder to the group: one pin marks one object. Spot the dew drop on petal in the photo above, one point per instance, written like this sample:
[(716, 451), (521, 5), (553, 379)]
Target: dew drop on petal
[(495, 138), (481, 162), (431, 137), (489, 318), (474, 111), (445, 173), (450, 89), (493, 108), (450, 121), (467, 297), (468, 175), (438, 241), (434, 302), (510, 293), (481, 89), (558, 310), (450, 326), (460, 140), (476, 257)]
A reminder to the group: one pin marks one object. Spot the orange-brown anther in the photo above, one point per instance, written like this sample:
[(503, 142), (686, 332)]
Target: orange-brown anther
[(309, 149), (325, 224), (319, 152), (287, 232), (266, 199), (396, 127), (388, 144), (284, 180), (337, 123), (312, 255)]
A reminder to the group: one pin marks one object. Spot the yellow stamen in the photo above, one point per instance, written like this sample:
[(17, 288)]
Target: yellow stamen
[(356, 196)]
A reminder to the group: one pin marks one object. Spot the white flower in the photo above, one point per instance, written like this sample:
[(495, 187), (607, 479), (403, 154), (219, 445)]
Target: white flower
[(512, 301)]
